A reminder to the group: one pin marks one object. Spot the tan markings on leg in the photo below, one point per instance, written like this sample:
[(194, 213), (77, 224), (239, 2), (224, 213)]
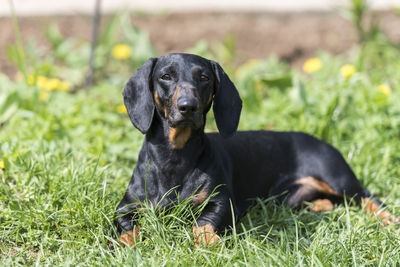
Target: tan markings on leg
[(204, 235), (318, 185), (158, 102), (200, 197), (322, 205), (179, 136), (373, 208), (129, 238)]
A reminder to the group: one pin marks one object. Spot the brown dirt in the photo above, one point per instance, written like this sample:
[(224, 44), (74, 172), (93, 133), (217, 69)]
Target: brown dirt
[(292, 36)]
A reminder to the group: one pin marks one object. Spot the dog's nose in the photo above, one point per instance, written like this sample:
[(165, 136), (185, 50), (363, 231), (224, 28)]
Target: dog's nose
[(187, 105)]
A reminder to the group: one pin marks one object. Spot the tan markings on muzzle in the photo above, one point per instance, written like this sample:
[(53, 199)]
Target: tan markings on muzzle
[(158, 102), (179, 136), (175, 97)]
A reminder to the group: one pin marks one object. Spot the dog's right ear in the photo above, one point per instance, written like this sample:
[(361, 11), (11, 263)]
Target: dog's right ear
[(138, 98)]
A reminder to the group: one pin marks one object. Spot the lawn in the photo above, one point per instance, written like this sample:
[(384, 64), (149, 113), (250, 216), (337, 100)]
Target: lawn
[(66, 156)]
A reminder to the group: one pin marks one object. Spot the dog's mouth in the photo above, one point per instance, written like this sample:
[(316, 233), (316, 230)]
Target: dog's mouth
[(185, 123)]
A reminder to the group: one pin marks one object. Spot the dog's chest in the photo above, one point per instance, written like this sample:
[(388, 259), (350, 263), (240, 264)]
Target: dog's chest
[(169, 190)]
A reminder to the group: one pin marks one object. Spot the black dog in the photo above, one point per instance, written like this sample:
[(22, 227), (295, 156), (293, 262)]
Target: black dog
[(167, 99)]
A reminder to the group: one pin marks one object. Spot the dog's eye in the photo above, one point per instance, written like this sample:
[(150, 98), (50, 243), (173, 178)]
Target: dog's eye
[(204, 78), (166, 77)]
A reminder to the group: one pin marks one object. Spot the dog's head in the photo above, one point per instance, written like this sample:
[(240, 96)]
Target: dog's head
[(181, 88)]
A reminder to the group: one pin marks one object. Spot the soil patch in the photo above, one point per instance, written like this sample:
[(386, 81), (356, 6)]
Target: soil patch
[(292, 36)]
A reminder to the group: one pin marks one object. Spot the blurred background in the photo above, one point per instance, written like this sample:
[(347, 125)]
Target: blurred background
[(293, 30)]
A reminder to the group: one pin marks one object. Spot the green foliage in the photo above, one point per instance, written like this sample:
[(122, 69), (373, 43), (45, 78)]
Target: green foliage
[(8, 100), (223, 52), (357, 13)]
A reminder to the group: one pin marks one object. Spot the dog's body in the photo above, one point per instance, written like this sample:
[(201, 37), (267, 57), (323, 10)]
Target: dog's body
[(167, 99)]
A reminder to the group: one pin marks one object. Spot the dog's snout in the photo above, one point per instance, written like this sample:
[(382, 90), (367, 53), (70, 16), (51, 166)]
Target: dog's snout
[(187, 105)]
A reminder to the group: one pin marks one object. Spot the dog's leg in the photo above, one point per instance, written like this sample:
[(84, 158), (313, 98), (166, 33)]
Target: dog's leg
[(216, 215), (374, 208), (126, 215)]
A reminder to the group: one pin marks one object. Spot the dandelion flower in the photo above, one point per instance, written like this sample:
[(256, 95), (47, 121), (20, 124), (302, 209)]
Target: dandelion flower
[(2, 165), (64, 86), (43, 96), (312, 65), (121, 109), (347, 70), (41, 81), (384, 89), (52, 84), (48, 84), (121, 51)]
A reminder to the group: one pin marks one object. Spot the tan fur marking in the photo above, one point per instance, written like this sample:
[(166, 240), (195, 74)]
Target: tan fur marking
[(175, 96), (156, 99), (200, 197), (204, 235), (376, 211), (179, 136), (158, 102), (316, 184), (322, 205), (129, 238)]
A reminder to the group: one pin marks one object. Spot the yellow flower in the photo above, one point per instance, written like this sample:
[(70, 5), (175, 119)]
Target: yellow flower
[(347, 70), (121, 51), (384, 89), (312, 65), (48, 84), (64, 86), (43, 96), (121, 109), (30, 80), (2, 165), (52, 84), (41, 81)]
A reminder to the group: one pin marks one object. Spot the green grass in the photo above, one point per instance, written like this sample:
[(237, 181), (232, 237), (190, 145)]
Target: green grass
[(69, 159)]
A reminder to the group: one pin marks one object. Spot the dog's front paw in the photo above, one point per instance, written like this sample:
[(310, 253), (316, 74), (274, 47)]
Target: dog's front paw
[(205, 235), (129, 238)]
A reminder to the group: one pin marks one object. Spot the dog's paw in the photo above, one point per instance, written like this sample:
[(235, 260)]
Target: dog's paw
[(320, 205), (129, 238), (205, 235)]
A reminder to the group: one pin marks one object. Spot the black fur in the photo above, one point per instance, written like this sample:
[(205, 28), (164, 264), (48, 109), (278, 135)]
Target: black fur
[(138, 99), (242, 167)]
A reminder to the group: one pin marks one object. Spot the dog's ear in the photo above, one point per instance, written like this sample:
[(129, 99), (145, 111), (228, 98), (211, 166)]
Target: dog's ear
[(138, 98), (227, 103)]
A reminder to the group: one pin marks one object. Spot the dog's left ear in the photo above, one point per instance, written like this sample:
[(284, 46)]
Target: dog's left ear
[(138, 98), (227, 103)]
